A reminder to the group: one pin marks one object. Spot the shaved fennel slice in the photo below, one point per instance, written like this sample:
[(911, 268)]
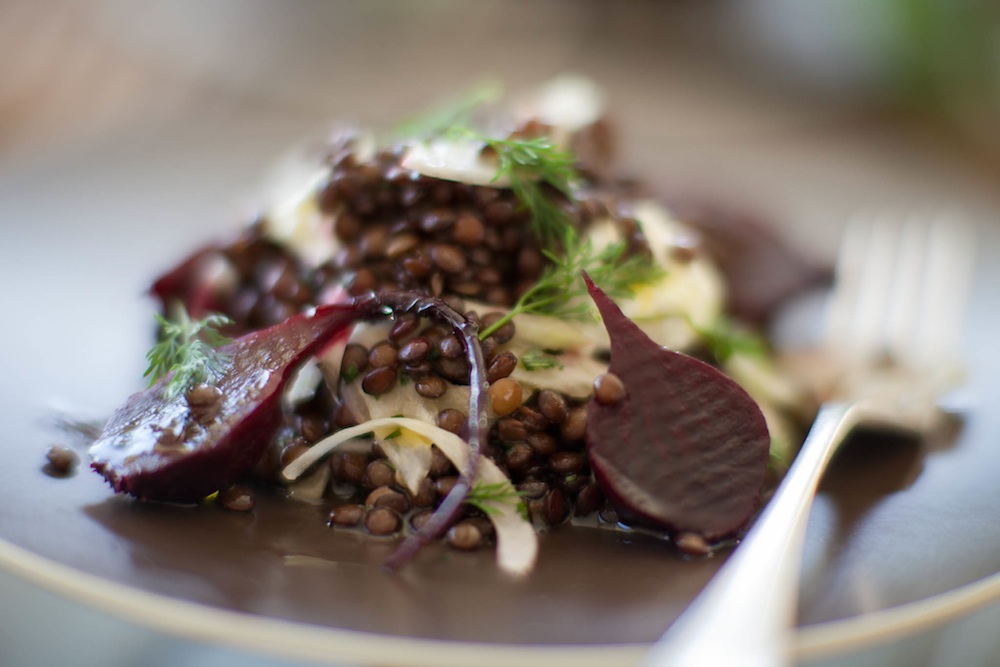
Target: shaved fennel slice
[(517, 543)]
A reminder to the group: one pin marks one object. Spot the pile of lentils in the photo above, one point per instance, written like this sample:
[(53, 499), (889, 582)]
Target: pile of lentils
[(400, 230)]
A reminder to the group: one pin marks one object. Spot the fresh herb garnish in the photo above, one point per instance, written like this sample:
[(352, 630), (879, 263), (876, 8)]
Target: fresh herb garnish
[(395, 434), (456, 113), (725, 338), (531, 164), (350, 373), (540, 173), (561, 292), (536, 360), (187, 349), (486, 497)]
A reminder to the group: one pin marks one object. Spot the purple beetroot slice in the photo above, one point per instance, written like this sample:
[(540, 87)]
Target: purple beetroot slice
[(140, 452), (686, 450), (153, 448)]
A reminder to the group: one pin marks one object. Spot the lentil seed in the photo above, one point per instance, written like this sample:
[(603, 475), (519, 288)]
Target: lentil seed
[(499, 212), (363, 281), (452, 420), (511, 430), (518, 456), (552, 406), (379, 381), (589, 499), (425, 495), (237, 498), (440, 464), (347, 226), (531, 418), (505, 396), (380, 473), (502, 366), (504, 333), (489, 348), (465, 536), (420, 518), (403, 327), (437, 220), (448, 258), (382, 521), (444, 485), (554, 507), (692, 544), (400, 244), (609, 389), (384, 496), (383, 354), (352, 467), (374, 242), (61, 460), (354, 360), (450, 347), (575, 425), (418, 267), (543, 443), (418, 370), (415, 350), (346, 516), (431, 386), (469, 230), (567, 463), (533, 489), (313, 427), (453, 370)]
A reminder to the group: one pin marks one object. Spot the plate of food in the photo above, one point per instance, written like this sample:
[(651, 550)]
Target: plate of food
[(462, 394)]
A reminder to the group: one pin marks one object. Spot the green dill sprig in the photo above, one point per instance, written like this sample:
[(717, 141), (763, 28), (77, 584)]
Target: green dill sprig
[(486, 497), (726, 338), (529, 165), (443, 119), (187, 349), (541, 174), (561, 292), (536, 360)]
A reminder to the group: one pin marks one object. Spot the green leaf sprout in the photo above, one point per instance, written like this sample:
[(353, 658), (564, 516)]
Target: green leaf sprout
[(186, 349)]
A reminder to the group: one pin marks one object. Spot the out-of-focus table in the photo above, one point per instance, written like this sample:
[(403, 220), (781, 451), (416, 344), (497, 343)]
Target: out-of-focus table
[(165, 115)]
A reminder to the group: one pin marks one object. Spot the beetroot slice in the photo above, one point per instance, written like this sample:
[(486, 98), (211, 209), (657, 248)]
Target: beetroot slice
[(686, 450), (153, 448), (156, 448)]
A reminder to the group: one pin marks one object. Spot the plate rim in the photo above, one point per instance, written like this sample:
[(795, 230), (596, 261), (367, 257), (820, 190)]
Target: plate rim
[(302, 641)]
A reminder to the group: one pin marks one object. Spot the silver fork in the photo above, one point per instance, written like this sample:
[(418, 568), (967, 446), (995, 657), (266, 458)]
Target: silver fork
[(893, 324)]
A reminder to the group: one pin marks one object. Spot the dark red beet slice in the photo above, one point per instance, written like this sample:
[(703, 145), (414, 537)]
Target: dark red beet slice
[(186, 283), (686, 450), (154, 448)]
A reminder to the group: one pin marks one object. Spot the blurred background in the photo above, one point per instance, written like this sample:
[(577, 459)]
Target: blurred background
[(160, 118), (227, 86)]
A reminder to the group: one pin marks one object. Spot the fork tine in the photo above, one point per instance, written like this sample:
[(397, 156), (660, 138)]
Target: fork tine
[(864, 287), (907, 316), (847, 285), (947, 282), (901, 286)]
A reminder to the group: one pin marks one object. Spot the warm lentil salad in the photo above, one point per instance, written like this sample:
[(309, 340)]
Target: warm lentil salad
[(418, 355)]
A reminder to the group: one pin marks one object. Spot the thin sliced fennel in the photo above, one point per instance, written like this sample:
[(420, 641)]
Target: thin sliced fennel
[(517, 542)]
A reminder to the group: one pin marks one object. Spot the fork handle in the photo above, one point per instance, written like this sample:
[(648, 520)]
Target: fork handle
[(745, 613)]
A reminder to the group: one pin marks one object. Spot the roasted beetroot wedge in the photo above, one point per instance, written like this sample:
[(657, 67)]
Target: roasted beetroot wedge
[(685, 449), (185, 447)]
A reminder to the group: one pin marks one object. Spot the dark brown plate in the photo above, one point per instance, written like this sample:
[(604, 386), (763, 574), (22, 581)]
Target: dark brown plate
[(895, 524)]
